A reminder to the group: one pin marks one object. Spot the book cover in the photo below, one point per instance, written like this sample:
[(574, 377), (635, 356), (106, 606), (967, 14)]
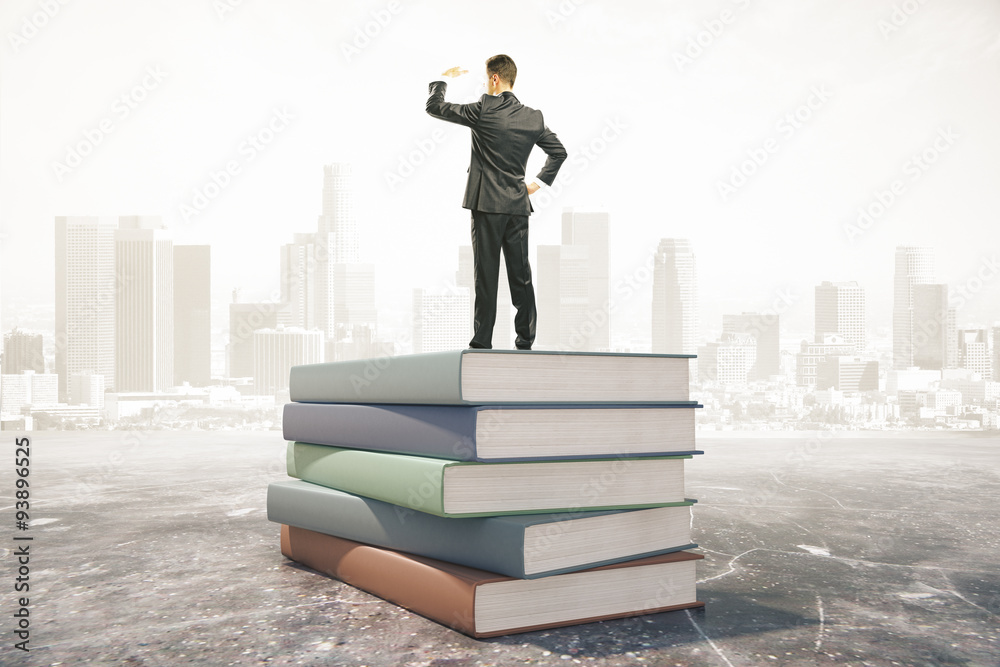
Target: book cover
[(497, 432), (522, 546), (475, 377), (459, 488), (485, 604)]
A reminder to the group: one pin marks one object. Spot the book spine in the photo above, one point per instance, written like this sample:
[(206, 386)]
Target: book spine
[(487, 544), (439, 431), (407, 582), (416, 378), (413, 482)]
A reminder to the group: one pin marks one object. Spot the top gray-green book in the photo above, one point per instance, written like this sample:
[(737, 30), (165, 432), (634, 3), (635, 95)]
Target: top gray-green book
[(481, 377)]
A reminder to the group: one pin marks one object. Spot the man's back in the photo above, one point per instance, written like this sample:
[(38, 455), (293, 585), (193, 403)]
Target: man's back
[(503, 133)]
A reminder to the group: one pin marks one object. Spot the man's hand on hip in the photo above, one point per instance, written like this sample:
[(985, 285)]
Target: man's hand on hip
[(454, 71), (533, 188)]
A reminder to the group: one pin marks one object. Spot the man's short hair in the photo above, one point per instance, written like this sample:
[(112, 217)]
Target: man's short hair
[(504, 67)]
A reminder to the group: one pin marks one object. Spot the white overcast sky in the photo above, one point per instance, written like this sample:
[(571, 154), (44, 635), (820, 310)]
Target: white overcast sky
[(590, 66)]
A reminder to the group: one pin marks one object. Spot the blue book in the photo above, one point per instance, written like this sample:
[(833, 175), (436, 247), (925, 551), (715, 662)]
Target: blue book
[(522, 546), (498, 432)]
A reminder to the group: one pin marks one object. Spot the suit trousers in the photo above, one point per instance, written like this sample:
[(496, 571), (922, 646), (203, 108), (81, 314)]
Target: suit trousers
[(492, 232)]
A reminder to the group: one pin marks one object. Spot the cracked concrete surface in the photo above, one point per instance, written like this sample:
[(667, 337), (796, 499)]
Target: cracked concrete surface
[(867, 549)]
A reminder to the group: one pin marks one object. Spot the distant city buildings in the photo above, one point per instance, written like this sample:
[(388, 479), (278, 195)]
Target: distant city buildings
[(765, 329), (914, 265), (275, 351), (731, 361), (22, 351), (573, 293), (244, 320), (812, 355), (840, 309), (676, 311), (441, 320), (28, 389), (845, 373), (85, 289), (144, 305), (974, 352), (935, 339), (192, 315)]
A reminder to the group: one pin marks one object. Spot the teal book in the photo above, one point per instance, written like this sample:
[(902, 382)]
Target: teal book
[(463, 488), (525, 546), (480, 377)]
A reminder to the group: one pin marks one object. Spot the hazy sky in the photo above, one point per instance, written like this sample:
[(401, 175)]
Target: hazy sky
[(174, 89)]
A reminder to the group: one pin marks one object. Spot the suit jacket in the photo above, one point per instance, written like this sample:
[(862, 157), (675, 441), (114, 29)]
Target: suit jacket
[(503, 133)]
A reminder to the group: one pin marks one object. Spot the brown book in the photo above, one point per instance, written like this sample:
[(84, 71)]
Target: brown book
[(484, 604)]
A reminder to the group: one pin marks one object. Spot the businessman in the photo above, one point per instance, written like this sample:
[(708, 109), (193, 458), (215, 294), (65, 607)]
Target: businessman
[(503, 133)]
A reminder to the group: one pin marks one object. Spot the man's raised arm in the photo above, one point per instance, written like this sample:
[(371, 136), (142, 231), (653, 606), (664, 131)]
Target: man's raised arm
[(463, 114)]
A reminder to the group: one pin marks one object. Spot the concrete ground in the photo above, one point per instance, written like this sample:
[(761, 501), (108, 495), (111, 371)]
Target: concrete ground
[(153, 548)]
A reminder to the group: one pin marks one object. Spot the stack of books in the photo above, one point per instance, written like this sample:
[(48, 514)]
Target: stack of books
[(494, 491)]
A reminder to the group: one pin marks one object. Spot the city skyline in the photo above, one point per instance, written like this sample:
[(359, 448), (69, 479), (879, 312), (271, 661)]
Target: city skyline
[(873, 148)]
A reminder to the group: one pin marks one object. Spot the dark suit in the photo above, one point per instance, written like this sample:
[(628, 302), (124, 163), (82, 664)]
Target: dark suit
[(503, 133)]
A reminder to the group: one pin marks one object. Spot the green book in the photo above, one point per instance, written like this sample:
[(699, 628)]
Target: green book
[(479, 377), (465, 489)]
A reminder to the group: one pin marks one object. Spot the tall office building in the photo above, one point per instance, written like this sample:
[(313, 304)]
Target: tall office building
[(144, 307), (28, 389), (244, 320), (840, 309), (299, 267), (844, 373), (275, 351), (812, 355), (974, 352), (914, 265), (353, 297), (85, 289), (676, 314), (192, 315), (731, 361), (22, 351), (934, 339), (765, 330), (503, 327), (441, 320), (996, 354), (573, 287), (338, 217), (336, 243)]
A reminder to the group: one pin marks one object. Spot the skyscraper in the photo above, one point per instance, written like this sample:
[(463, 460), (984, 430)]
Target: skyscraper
[(275, 351), (299, 268), (974, 352), (192, 315), (144, 307), (676, 314), (914, 265), (935, 339), (244, 320), (996, 354), (765, 330), (22, 351), (574, 287), (336, 242), (840, 309), (338, 217), (85, 287)]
